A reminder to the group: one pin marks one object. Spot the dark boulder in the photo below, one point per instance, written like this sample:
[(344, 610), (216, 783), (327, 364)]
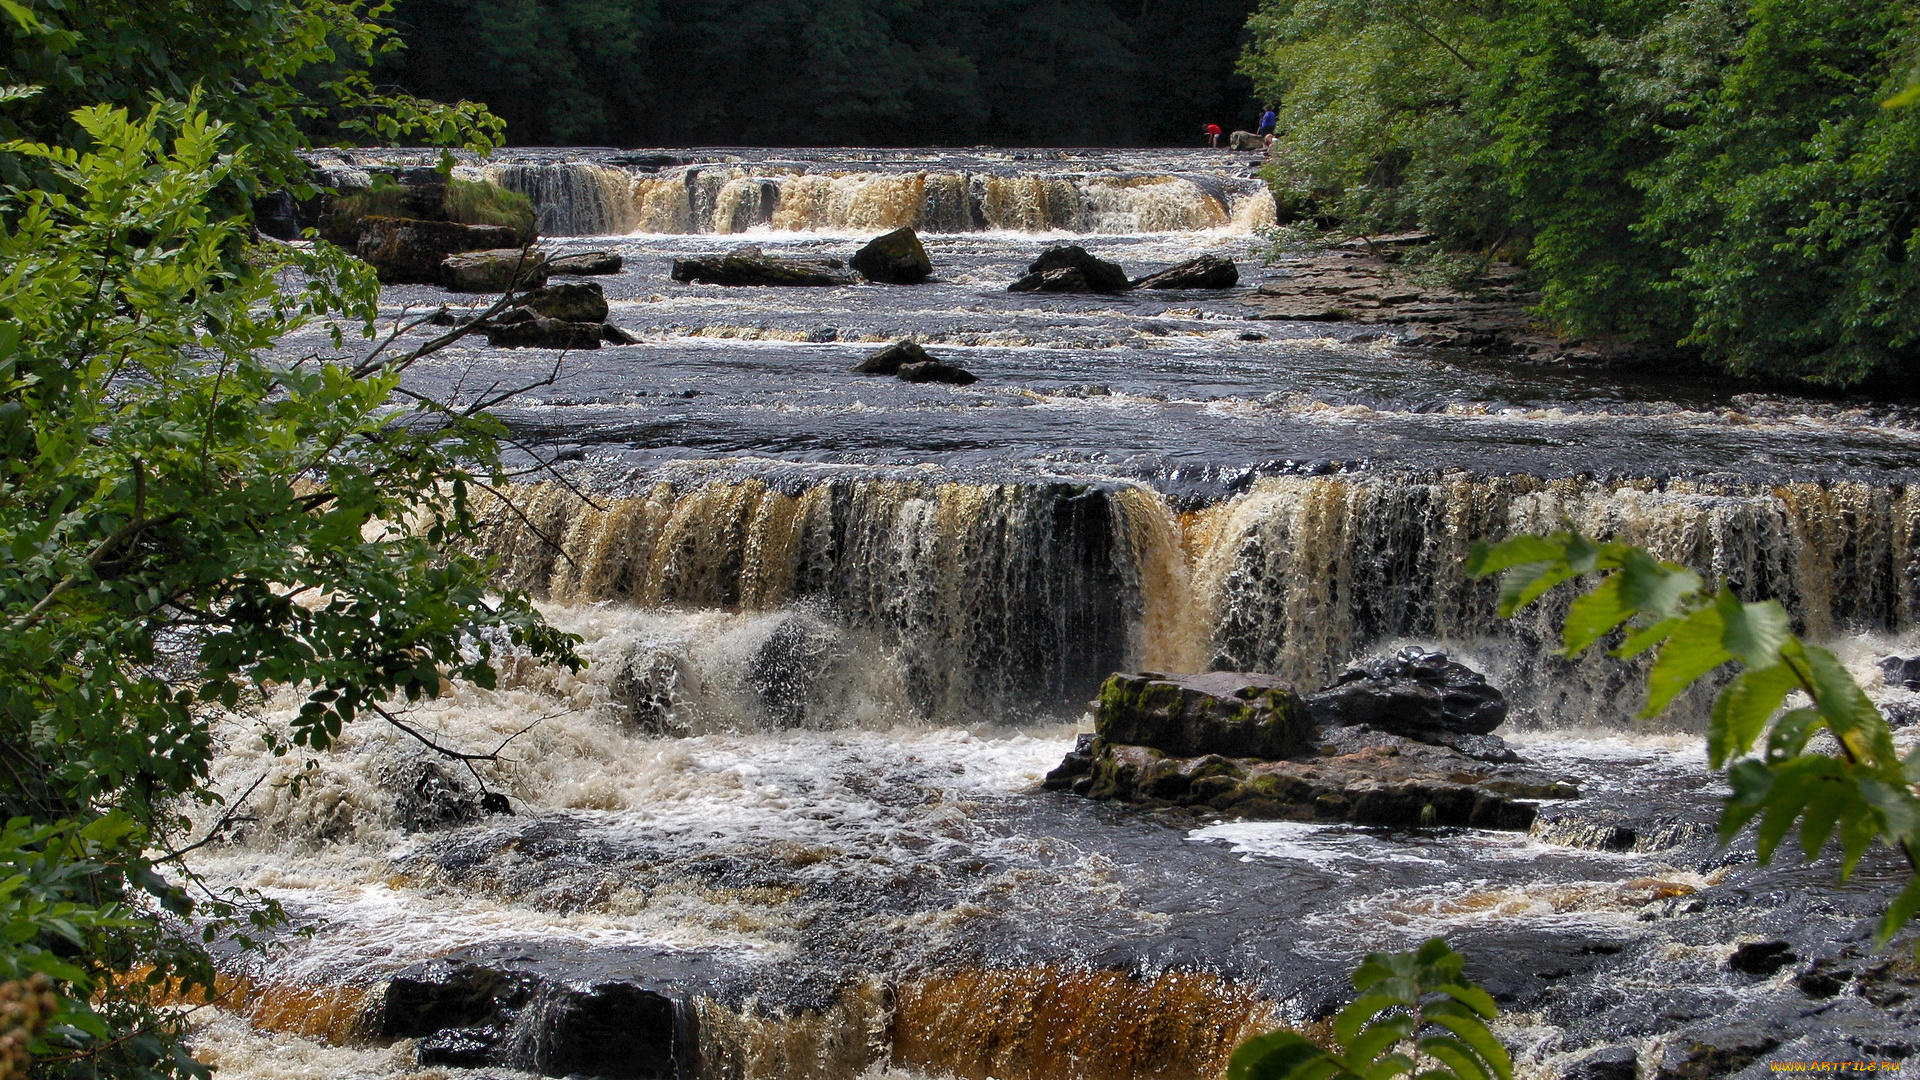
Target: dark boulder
[(1710, 1052), (1606, 1063), (460, 1048), (573, 301), (889, 360), (1762, 957), (1100, 275), (1416, 693), (749, 266), (1065, 279), (898, 258), (406, 250), (539, 333), (277, 214), (1234, 714), (583, 263), (788, 667), (1205, 272), (616, 1030), (1901, 671), (614, 335), (492, 271), (1077, 764), (933, 371)]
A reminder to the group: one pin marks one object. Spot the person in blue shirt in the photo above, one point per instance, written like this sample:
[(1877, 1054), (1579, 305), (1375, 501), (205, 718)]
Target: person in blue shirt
[(1268, 121)]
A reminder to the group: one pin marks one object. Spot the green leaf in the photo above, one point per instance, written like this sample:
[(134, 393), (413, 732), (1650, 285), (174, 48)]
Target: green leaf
[(1692, 651), (1652, 587), (1742, 710), (1593, 616), (1471, 1031), (1899, 913), (1350, 1021), (1645, 638), (1278, 1055), (1754, 632), (1456, 1055)]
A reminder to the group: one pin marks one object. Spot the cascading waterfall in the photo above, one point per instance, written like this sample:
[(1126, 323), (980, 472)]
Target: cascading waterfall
[(584, 199), (994, 599)]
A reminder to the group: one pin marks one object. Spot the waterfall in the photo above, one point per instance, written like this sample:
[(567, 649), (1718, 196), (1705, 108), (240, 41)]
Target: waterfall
[(585, 199), (994, 599)]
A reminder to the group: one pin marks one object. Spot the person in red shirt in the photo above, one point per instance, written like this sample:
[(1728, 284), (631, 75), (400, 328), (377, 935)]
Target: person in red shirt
[(1213, 136)]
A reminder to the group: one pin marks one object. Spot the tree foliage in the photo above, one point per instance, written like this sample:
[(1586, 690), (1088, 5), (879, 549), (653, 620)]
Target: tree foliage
[(1710, 174), (1851, 789), (814, 72), (1417, 1016)]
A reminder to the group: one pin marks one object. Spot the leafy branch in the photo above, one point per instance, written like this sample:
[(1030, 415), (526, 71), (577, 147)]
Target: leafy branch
[(1417, 1016), (1860, 792)]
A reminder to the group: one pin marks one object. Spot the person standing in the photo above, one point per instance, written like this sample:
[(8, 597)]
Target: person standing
[(1213, 136), (1268, 121)]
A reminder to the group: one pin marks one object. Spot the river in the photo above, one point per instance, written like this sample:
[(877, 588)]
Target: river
[(840, 626)]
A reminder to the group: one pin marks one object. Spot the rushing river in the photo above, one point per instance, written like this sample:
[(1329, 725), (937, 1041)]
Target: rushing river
[(840, 627)]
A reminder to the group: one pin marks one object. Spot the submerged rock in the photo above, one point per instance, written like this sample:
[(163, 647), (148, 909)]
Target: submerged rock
[(429, 798), (494, 270), (749, 266), (898, 258), (1205, 272), (889, 360), (408, 250), (584, 263), (1420, 694), (933, 371), (1234, 714), (1094, 274)]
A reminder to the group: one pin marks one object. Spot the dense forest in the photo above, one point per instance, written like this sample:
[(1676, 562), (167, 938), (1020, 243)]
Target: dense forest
[(1720, 174), (825, 72)]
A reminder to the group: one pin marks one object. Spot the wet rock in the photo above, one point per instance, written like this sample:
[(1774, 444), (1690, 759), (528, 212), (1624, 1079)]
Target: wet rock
[(1606, 1063), (437, 995), (1901, 671), (407, 250), (277, 214), (889, 360), (1762, 957), (1599, 828), (749, 266), (616, 1030), (613, 335), (647, 689), (1065, 279), (539, 333), (585, 263), (1233, 714), (1077, 763), (1099, 274), (1718, 1051), (1245, 140), (1416, 693), (824, 334), (460, 1048), (897, 258), (430, 798), (573, 301), (1403, 783), (493, 271), (933, 371), (1205, 272)]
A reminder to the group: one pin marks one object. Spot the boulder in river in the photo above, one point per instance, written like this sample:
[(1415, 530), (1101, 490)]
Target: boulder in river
[(494, 270), (406, 250), (1205, 272), (750, 266), (933, 371), (1243, 744), (584, 263), (428, 798), (1246, 140), (897, 258), (542, 333), (889, 360), (572, 301), (1901, 671), (1094, 274), (1235, 714), (1420, 694)]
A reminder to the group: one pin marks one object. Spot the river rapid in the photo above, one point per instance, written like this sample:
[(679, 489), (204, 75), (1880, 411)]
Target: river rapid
[(839, 627)]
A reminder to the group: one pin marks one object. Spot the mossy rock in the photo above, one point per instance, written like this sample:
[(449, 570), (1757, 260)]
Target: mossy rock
[(464, 202)]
